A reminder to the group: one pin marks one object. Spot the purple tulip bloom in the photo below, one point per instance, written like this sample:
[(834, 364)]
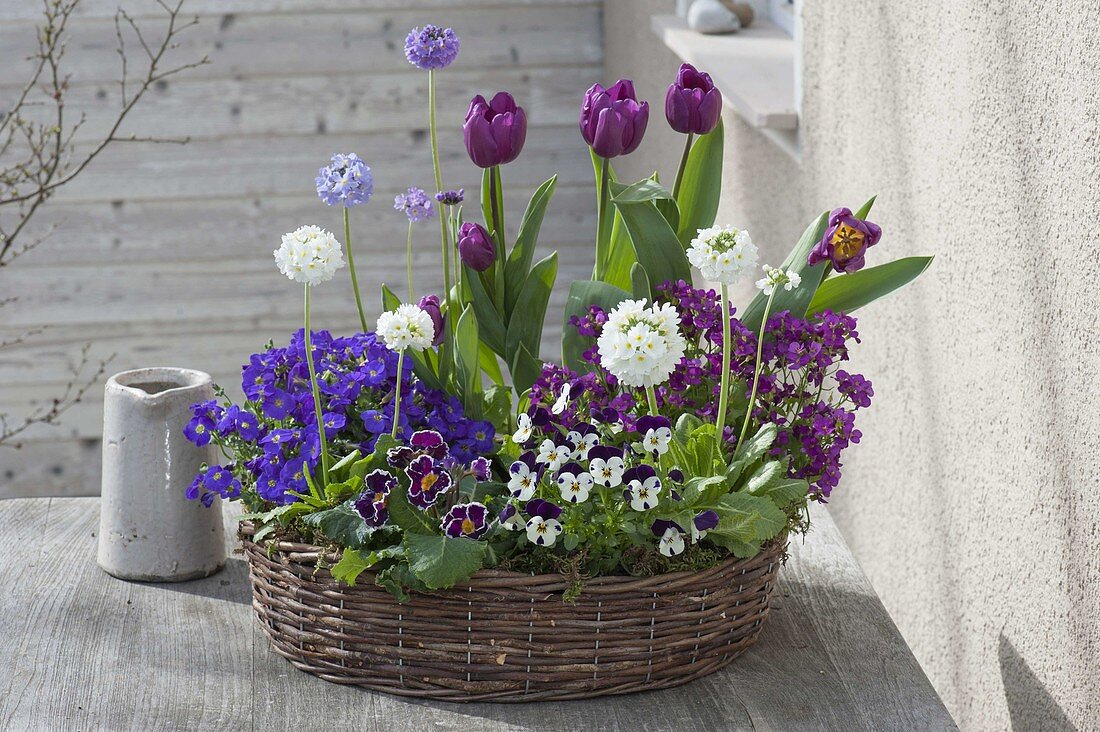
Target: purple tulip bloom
[(466, 519), (845, 242), (693, 105), (371, 504), (427, 480), (431, 47), (613, 121), (494, 131), (430, 305), (476, 247)]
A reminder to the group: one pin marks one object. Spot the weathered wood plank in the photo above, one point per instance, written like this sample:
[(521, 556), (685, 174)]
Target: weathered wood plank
[(53, 467), (309, 43)]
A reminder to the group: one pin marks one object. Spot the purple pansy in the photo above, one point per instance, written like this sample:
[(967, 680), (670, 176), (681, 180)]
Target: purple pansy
[(371, 504), (428, 479), (466, 519)]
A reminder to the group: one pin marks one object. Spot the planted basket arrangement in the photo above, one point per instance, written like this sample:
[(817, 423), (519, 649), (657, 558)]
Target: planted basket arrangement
[(435, 511)]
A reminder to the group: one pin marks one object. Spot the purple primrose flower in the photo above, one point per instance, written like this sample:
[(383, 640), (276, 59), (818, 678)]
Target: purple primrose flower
[(466, 519), (431, 47)]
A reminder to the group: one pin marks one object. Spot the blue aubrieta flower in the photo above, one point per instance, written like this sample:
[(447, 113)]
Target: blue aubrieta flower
[(346, 181), (415, 203), (431, 47)]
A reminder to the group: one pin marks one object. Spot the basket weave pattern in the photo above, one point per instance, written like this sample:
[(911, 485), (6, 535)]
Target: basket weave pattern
[(509, 637)]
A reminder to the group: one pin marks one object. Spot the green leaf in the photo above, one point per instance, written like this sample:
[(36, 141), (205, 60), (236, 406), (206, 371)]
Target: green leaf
[(338, 491), (582, 294), (849, 292), (342, 524), (407, 516), (353, 563), (704, 490), (639, 281), (525, 320), (468, 362), (525, 369), (489, 363), (655, 243), (755, 447), (865, 209), (620, 255), (344, 464), (767, 475), (491, 326), (785, 492), (522, 254), (701, 185), (748, 518), (644, 190), (442, 561), (797, 261)]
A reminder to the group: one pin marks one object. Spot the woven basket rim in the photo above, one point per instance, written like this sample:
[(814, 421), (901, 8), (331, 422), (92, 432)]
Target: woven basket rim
[(247, 530)]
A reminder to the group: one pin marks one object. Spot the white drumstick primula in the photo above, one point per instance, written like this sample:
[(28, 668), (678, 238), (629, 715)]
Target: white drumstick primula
[(641, 345), (722, 253), (776, 276), (309, 255), (406, 327)]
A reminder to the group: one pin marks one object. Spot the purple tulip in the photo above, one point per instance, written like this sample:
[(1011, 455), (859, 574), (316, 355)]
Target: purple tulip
[(845, 241), (476, 247), (494, 131), (612, 120), (430, 305), (693, 104)]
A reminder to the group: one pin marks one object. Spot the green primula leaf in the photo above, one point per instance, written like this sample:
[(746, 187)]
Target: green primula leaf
[(522, 254), (849, 292), (442, 561), (785, 492), (377, 459), (407, 516), (701, 185), (685, 425), (343, 465), (748, 518), (740, 549), (526, 319), (398, 579), (639, 282), (353, 563), (705, 490), (655, 243), (342, 524), (797, 299), (767, 475), (582, 294), (336, 492), (758, 444)]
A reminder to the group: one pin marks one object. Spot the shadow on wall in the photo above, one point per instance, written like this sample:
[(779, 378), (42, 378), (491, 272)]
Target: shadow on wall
[(1030, 705)]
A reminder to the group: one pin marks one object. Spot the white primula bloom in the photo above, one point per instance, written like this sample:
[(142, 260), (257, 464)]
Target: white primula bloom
[(575, 488), (581, 443), (654, 441), (644, 494), (672, 543), (722, 254), (607, 472), (406, 327), (523, 481), (641, 346), (523, 429), (774, 277), (310, 255), (563, 400), (553, 455), (543, 532)]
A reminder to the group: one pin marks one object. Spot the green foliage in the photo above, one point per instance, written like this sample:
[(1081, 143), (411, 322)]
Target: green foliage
[(341, 524), (655, 243), (745, 519), (468, 363), (519, 259), (441, 561), (701, 186), (849, 292), (785, 492), (525, 320), (582, 294), (525, 369), (798, 299), (406, 516), (353, 563), (639, 281)]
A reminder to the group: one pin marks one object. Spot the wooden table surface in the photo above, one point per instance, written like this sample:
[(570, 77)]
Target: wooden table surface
[(80, 650)]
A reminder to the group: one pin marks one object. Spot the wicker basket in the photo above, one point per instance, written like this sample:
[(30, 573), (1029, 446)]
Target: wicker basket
[(509, 637)]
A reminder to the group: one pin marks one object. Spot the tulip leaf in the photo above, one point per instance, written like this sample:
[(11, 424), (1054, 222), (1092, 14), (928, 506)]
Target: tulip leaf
[(525, 320), (865, 208), (644, 190), (522, 254), (525, 369), (639, 281), (621, 256), (655, 243), (849, 292), (490, 325), (582, 294), (468, 363), (421, 364), (489, 363), (487, 175), (797, 299), (701, 185)]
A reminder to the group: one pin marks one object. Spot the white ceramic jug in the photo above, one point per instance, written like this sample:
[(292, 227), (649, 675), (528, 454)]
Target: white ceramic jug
[(148, 529)]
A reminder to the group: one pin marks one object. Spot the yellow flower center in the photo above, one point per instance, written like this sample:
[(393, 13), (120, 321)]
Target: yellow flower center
[(847, 242), (467, 526), (428, 481)]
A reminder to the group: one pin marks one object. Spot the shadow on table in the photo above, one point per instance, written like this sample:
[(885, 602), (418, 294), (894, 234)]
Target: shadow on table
[(230, 584), (1030, 705)]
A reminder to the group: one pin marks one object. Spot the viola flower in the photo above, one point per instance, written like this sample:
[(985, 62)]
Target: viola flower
[(562, 401), (656, 434), (845, 242), (671, 543), (510, 519), (643, 487), (475, 247), (543, 527), (553, 454), (583, 439), (722, 254), (524, 477), (406, 327), (701, 524), (523, 429), (574, 483), (466, 519), (428, 479), (346, 181), (693, 104), (612, 120), (450, 198), (639, 345), (431, 47), (415, 203), (309, 255), (775, 277), (494, 131), (606, 466), (481, 468), (371, 503)]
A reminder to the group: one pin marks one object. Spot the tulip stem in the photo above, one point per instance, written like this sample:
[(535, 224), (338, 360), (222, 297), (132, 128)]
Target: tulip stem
[(409, 259), (756, 374), (397, 393), (683, 165), (440, 207), (498, 234), (602, 233), (724, 394), (316, 396), (351, 269)]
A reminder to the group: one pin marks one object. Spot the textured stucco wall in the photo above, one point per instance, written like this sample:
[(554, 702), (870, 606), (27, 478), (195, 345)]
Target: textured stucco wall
[(973, 501)]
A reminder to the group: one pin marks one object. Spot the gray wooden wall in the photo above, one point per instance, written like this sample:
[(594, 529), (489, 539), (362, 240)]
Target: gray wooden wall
[(162, 253)]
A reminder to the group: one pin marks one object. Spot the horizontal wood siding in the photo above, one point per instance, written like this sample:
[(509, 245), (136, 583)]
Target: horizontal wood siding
[(161, 254)]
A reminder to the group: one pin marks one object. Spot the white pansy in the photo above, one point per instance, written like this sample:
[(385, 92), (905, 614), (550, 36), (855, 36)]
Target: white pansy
[(672, 543), (514, 522), (722, 253), (407, 327), (563, 400), (309, 255), (553, 455), (523, 481), (575, 488), (543, 532), (644, 493), (641, 345), (774, 277), (607, 472), (523, 429), (581, 443), (654, 441)]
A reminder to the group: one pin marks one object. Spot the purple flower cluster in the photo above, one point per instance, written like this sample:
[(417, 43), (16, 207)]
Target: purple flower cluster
[(415, 203), (431, 47), (274, 433), (450, 198), (346, 181)]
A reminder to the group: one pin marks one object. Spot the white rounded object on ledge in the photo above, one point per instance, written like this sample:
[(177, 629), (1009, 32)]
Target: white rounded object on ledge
[(712, 17)]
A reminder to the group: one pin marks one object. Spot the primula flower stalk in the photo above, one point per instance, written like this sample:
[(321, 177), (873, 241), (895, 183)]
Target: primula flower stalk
[(347, 181), (409, 326)]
